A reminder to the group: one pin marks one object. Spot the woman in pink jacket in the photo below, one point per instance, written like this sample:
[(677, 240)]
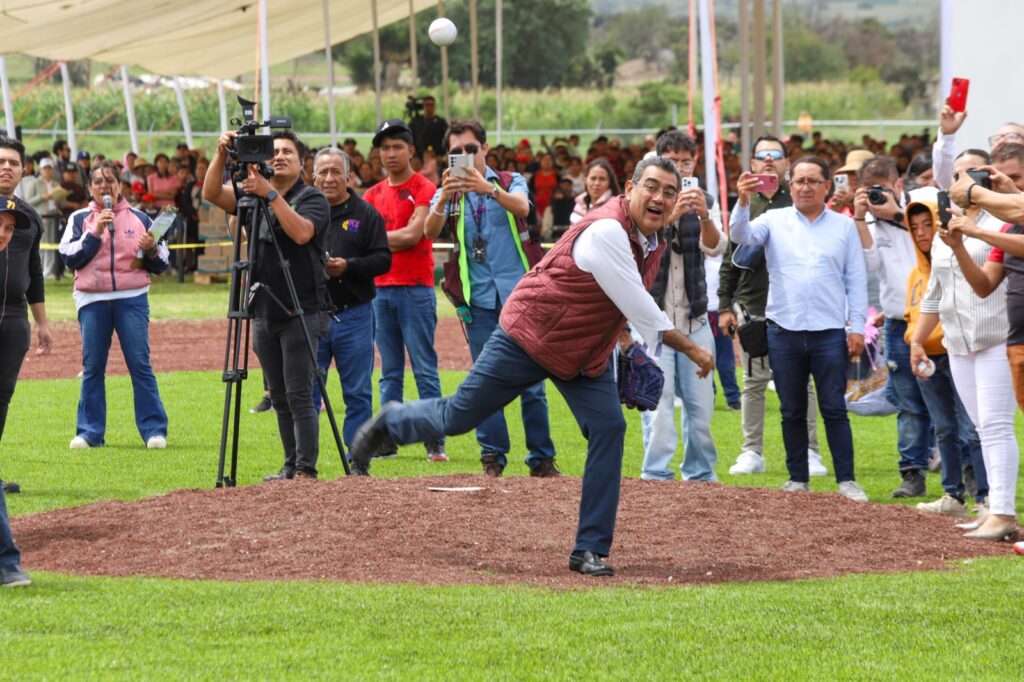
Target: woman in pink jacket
[(110, 249)]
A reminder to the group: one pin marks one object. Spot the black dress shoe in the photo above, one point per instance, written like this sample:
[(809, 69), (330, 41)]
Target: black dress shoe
[(10, 487), (371, 440), (283, 475), (588, 563)]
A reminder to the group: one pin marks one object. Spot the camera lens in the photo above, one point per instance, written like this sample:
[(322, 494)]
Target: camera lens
[(876, 195)]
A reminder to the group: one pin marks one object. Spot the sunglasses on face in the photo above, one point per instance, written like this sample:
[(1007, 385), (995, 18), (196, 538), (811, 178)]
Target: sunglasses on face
[(468, 149), (765, 154)]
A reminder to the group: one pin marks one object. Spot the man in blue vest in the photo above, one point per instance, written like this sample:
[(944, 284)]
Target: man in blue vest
[(485, 211)]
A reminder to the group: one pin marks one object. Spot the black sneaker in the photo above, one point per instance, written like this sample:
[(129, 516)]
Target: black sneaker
[(262, 406), (371, 439), (735, 406), (284, 474), (492, 465), (913, 484), (10, 487), (13, 576)]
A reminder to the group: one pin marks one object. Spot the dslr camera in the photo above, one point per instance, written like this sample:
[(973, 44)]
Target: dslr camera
[(251, 148), (877, 195)]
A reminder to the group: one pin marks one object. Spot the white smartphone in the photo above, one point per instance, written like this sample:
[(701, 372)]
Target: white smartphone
[(459, 165), (690, 183), (841, 181)]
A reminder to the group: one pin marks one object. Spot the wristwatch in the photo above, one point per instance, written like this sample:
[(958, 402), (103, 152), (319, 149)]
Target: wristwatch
[(898, 217), (494, 193), (271, 195)]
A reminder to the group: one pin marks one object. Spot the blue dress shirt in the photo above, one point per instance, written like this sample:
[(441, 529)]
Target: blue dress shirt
[(816, 272)]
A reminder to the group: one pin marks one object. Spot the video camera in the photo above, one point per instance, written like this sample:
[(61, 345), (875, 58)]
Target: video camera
[(251, 148), (413, 106)]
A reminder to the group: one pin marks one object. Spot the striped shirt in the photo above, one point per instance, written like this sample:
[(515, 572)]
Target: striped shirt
[(970, 323)]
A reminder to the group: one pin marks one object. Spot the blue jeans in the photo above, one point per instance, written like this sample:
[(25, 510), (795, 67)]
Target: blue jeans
[(9, 554), (913, 424), (958, 441), (492, 433), (725, 360), (406, 318), (500, 374), (795, 356), (97, 322), (659, 431), (349, 343)]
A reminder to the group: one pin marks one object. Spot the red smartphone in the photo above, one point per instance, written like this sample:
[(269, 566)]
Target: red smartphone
[(957, 99), (766, 182)]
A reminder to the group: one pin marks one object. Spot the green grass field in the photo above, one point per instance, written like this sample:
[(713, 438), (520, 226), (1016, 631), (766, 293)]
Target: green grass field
[(965, 622)]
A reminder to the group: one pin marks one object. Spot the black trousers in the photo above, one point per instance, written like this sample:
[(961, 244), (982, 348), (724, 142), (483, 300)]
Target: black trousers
[(289, 371), (15, 339)]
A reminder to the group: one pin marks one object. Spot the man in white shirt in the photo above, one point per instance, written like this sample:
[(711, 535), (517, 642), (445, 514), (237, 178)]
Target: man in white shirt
[(889, 252), (817, 285), (562, 322), (944, 149)]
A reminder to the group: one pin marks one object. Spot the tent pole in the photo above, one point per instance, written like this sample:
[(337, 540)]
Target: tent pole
[(744, 37), (759, 68), (223, 106), (376, 59), (707, 81), (186, 124), (264, 62), (778, 74), (8, 106), (444, 68), (499, 11), (330, 73), (129, 107), (69, 111), (412, 46), (474, 57)]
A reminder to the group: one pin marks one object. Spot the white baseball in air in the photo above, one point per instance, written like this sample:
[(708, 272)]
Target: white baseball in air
[(442, 31), (926, 368)]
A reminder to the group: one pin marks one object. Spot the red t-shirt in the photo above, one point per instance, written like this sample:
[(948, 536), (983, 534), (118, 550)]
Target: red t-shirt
[(544, 184), (415, 266), (997, 255)]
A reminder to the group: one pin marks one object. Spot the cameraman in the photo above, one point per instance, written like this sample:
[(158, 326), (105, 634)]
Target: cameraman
[(428, 128), (890, 253), (299, 217)]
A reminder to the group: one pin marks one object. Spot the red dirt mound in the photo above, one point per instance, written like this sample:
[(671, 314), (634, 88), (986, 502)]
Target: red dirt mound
[(514, 530)]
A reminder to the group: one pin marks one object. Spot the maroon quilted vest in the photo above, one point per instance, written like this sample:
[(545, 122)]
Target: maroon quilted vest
[(558, 313)]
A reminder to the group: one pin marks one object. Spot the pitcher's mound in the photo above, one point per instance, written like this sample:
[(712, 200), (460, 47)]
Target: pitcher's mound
[(510, 530)]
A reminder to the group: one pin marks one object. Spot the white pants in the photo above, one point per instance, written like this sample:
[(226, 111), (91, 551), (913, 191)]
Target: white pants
[(983, 383)]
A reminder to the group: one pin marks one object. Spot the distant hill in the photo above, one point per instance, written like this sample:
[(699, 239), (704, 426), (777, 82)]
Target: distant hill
[(889, 12)]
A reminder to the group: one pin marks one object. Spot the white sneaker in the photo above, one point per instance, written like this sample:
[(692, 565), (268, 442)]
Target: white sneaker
[(814, 464), (851, 491), (156, 443), (947, 504), (79, 443), (749, 462)]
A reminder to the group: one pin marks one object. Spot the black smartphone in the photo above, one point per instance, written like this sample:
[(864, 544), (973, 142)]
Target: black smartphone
[(942, 198), (981, 177)]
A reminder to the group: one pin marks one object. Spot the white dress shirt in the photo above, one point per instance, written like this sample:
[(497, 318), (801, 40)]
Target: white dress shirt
[(603, 250)]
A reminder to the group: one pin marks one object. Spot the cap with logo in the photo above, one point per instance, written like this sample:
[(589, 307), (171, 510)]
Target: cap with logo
[(390, 127)]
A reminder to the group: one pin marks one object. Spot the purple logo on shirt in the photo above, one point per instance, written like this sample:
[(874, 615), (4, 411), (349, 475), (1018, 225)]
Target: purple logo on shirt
[(350, 225)]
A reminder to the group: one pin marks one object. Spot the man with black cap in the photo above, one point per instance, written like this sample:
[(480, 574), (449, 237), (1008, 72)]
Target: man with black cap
[(21, 272), (405, 308), (84, 164), (428, 128)]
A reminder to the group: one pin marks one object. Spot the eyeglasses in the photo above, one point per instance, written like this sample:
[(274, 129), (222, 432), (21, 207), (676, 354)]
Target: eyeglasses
[(765, 154), (1005, 137), (813, 183), (685, 166), (468, 149), (653, 187)]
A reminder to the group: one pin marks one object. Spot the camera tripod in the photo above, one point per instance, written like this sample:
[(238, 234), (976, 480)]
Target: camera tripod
[(255, 217)]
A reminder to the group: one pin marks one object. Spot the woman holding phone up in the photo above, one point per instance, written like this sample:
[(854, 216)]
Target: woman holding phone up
[(110, 248), (975, 336)]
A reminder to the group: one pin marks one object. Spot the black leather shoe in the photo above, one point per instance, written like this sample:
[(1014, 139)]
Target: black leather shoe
[(10, 487), (492, 465), (588, 563), (371, 440)]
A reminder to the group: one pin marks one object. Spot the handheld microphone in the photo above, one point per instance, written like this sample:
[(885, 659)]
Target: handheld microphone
[(108, 203)]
